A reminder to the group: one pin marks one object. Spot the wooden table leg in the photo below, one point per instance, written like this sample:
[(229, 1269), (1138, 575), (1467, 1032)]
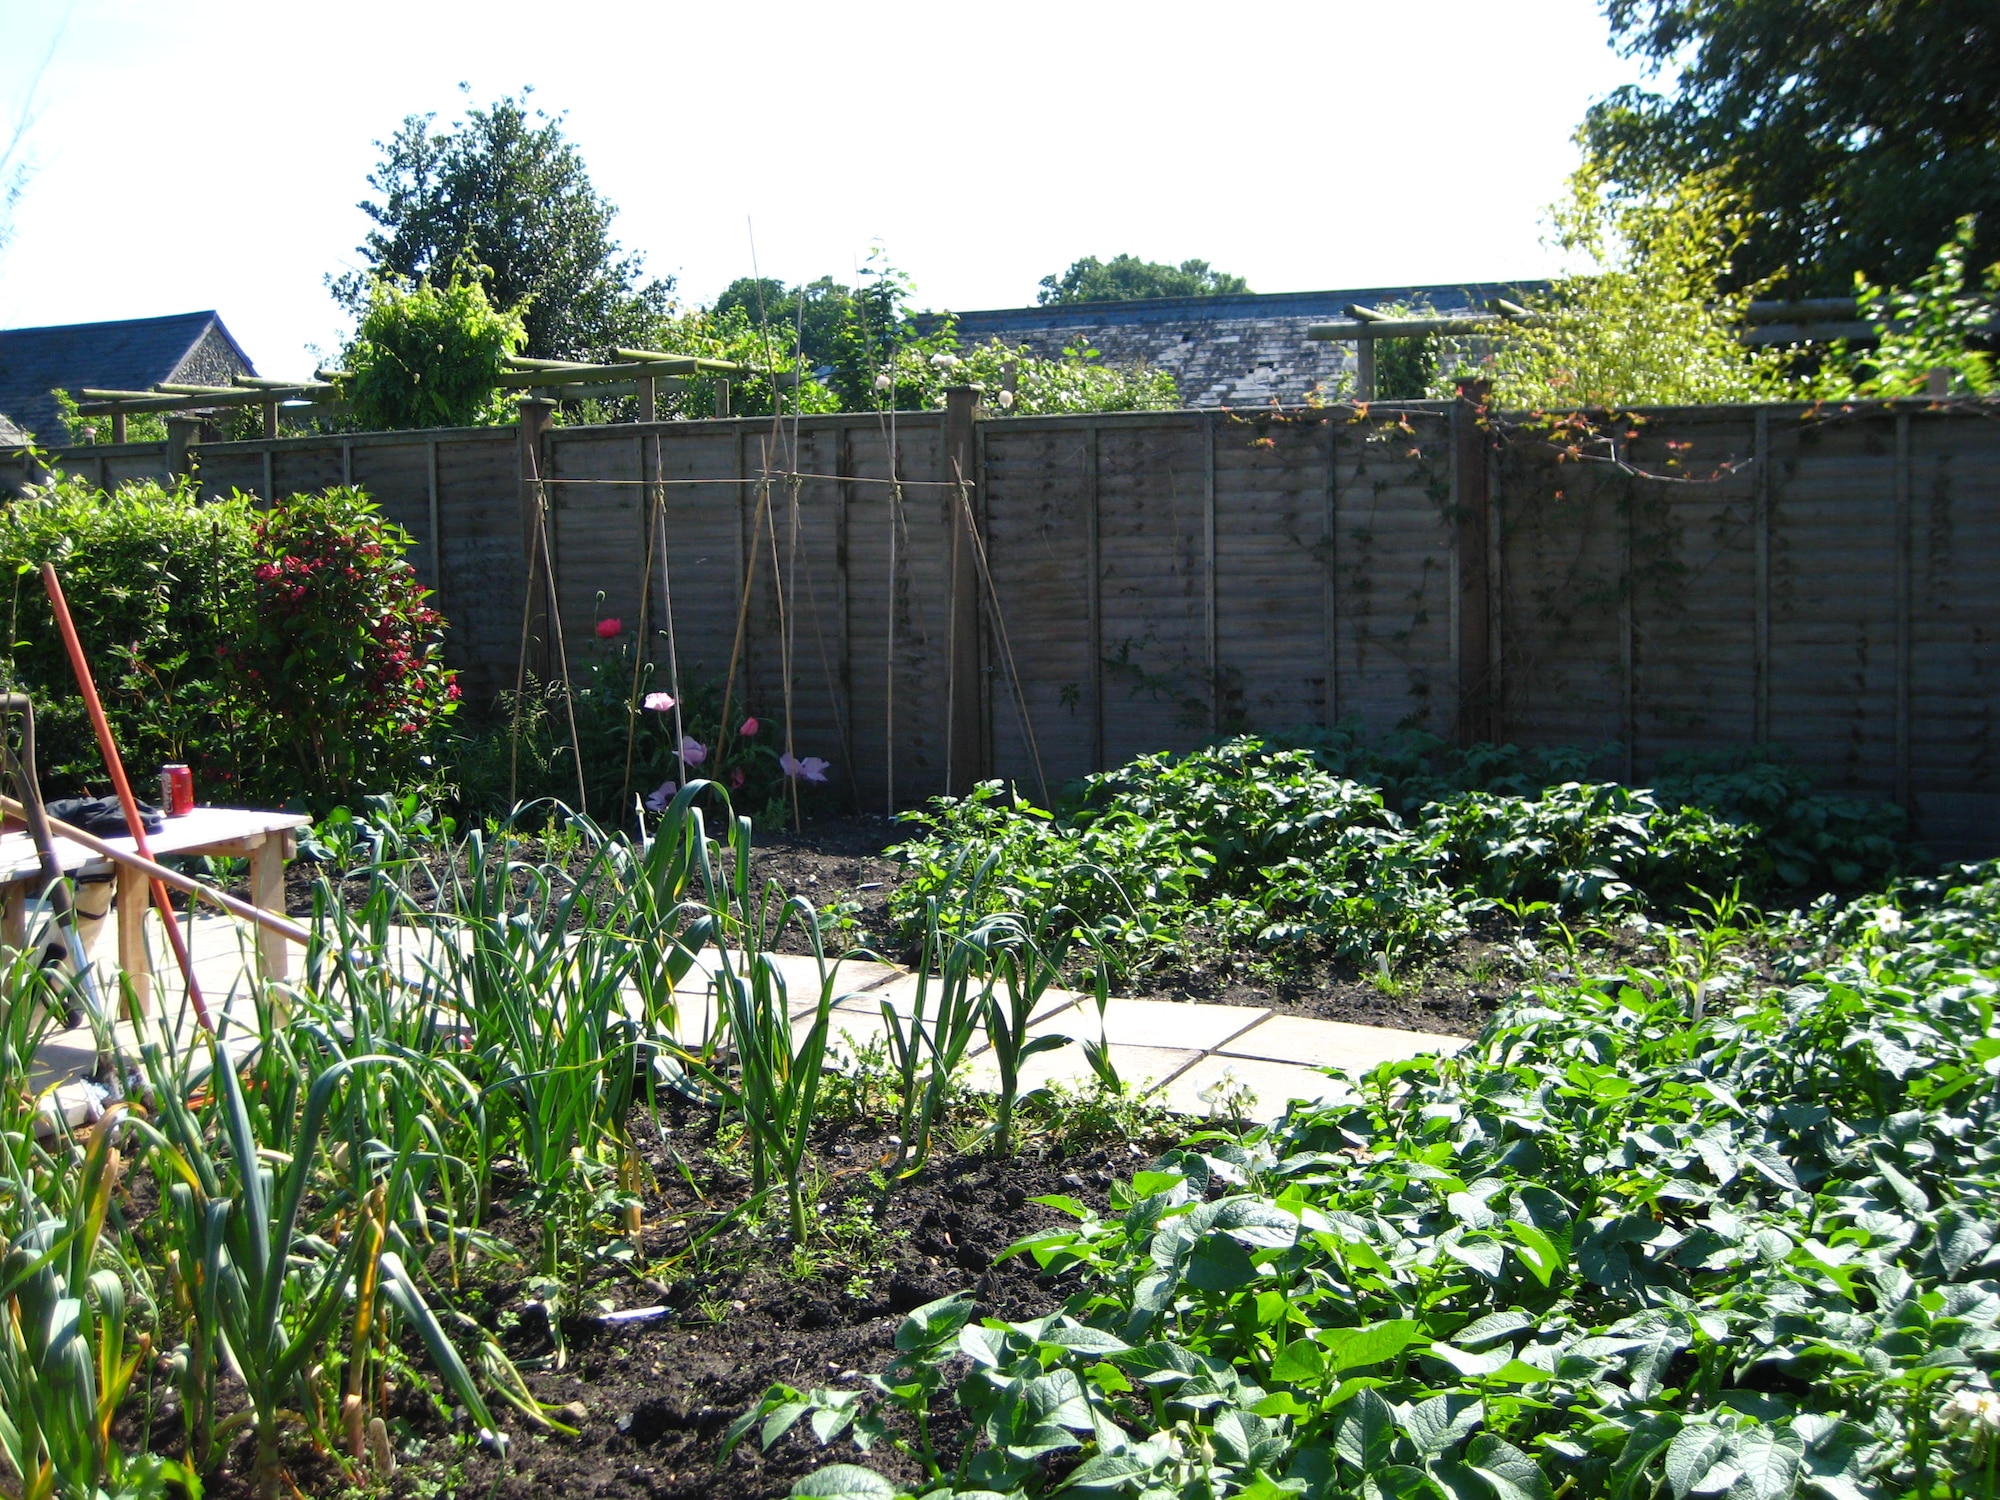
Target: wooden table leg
[(267, 889), (134, 897)]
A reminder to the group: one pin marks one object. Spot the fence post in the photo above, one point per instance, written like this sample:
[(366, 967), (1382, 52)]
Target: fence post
[(1470, 521), (181, 435), (964, 698), (538, 568)]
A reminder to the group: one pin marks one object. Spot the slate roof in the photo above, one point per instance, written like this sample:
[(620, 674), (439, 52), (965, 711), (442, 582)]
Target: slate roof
[(129, 355)]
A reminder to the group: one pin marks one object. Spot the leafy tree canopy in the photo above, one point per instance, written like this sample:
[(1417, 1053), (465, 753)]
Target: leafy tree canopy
[(506, 189), (1859, 131), (810, 314), (1646, 319), (1126, 278), (1935, 325)]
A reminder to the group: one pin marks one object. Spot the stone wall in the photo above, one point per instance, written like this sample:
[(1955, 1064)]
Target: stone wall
[(212, 361), (1245, 350)]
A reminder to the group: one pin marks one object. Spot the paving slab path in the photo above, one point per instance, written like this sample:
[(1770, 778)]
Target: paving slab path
[(1192, 1057)]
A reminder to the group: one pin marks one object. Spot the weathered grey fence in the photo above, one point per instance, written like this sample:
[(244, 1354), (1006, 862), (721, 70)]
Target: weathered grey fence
[(1709, 577)]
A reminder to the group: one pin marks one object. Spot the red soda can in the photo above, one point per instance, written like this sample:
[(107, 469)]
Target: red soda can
[(177, 791)]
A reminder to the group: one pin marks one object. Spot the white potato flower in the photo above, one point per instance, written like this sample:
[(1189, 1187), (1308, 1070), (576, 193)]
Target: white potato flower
[(1973, 1412)]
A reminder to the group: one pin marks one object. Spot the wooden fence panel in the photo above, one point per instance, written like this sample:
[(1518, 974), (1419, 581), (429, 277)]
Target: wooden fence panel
[(1952, 740), (1693, 588), (397, 477), (1041, 544), (1825, 581), (1834, 600), (1155, 492), (1562, 566), (903, 730), (596, 512), (480, 585), (796, 636), (1391, 555), (1271, 524), (226, 468)]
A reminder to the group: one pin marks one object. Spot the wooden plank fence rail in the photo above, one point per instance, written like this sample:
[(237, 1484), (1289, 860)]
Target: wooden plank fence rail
[(1823, 581)]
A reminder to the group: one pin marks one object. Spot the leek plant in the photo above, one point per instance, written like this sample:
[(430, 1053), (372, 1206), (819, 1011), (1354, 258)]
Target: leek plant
[(926, 1047), (261, 1294), (777, 1080), (68, 1344), (1028, 968), (531, 961)]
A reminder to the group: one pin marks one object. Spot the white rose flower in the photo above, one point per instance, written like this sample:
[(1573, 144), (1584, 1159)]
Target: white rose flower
[(883, 382), (1006, 399)]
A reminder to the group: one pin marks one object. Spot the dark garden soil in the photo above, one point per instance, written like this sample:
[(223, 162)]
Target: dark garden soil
[(653, 1400)]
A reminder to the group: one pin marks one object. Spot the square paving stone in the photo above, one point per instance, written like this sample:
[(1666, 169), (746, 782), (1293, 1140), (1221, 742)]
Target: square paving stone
[(1275, 1084), (1140, 1068), (1155, 1023), (1334, 1044)]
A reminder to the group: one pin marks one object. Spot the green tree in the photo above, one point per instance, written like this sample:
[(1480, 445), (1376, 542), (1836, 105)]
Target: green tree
[(507, 189), (1858, 131), (809, 315), (429, 355), (882, 351), (1648, 321), (1126, 278), (1936, 324)]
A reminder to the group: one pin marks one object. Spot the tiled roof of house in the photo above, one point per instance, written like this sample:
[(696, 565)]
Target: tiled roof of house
[(129, 355)]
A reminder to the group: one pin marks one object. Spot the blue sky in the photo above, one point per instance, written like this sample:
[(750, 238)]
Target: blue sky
[(210, 154)]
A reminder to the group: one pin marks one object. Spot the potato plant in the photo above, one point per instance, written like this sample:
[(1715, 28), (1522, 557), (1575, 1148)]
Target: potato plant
[(1296, 846), (1611, 1250)]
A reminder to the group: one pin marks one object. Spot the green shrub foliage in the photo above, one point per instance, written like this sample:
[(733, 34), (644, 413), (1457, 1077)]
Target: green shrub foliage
[(429, 354), (340, 645), (153, 578), (1328, 844), (285, 656)]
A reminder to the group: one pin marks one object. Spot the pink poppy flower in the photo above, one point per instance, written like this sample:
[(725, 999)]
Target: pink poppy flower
[(606, 629), (693, 751), (659, 703), (812, 768), (750, 727)]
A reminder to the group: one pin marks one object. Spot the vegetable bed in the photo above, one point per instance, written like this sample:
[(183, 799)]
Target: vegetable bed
[(1618, 1249)]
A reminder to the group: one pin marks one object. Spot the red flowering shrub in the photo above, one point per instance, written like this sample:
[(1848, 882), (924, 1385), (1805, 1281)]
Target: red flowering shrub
[(340, 646)]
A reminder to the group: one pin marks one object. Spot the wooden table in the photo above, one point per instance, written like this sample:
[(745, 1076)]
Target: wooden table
[(264, 837)]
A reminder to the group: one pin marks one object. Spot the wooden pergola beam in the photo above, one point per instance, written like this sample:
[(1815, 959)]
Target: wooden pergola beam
[(534, 374), (1398, 328), (95, 403)]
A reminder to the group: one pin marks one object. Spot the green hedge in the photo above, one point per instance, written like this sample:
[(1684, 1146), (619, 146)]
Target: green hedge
[(287, 656)]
